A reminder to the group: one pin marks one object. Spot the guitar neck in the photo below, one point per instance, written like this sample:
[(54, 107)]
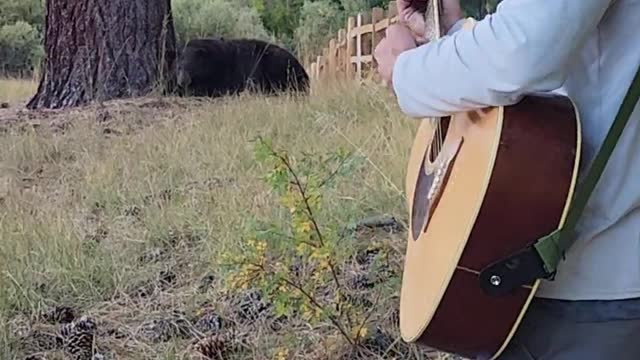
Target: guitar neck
[(433, 28)]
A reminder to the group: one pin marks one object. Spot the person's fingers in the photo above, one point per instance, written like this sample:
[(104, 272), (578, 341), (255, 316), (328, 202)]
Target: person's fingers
[(401, 5), (405, 14), (396, 30), (400, 37)]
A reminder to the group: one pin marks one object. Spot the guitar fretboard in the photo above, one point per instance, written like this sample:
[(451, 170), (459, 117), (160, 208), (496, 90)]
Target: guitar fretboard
[(433, 26)]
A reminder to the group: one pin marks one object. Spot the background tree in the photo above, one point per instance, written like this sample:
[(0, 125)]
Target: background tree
[(101, 50)]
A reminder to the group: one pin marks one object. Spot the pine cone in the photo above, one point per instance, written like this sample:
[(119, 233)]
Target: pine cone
[(60, 315), (211, 347), (174, 325), (35, 357), (39, 340), (251, 306), (80, 346), (78, 338), (210, 322)]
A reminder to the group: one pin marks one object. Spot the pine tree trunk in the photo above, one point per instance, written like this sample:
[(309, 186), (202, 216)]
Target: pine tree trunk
[(102, 50)]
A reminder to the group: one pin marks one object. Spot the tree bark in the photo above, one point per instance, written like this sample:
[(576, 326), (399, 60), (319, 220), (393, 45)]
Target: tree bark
[(102, 50)]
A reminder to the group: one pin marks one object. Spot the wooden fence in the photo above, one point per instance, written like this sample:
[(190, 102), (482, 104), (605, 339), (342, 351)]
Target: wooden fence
[(350, 55)]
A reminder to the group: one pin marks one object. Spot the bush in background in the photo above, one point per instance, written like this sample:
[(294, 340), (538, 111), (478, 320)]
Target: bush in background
[(319, 22), (21, 24), (213, 18), (29, 11), (20, 50), (280, 17)]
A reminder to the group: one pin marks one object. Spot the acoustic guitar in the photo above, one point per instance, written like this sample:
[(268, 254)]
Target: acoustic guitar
[(482, 187)]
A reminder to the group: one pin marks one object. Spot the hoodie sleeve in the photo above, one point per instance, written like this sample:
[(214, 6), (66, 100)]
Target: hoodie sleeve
[(525, 46)]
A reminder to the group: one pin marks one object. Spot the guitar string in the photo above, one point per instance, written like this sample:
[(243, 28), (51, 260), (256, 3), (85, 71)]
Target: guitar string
[(438, 137)]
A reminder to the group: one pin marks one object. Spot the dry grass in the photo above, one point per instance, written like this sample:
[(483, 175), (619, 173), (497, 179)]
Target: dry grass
[(121, 211), (16, 90)]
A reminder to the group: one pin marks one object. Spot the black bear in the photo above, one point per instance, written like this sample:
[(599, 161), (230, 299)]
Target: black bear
[(217, 67)]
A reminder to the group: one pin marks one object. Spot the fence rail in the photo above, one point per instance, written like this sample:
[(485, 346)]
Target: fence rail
[(350, 54)]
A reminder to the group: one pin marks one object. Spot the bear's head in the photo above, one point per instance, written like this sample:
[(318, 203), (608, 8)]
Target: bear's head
[(202, 61)]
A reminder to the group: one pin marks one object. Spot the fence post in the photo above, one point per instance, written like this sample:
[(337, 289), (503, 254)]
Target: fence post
[(326, 60), (312, 71), (392, 11), (359, 46), (377, 15), (342, 44), (351, 22), (366, 34), (351, 56), (332, 59)]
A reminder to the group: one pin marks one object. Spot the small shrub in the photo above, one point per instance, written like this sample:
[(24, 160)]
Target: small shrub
[(300, 264)]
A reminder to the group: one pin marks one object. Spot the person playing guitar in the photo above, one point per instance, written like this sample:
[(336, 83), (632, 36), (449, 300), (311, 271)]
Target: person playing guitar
[(588, 50)]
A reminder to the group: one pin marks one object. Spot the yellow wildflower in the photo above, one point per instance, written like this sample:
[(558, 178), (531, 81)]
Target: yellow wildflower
[(282, 354), (261, 246), (360, 332), (305, 227)]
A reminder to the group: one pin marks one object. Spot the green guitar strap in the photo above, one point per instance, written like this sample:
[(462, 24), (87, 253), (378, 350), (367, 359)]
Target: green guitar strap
[(552, 247), (540, 260)]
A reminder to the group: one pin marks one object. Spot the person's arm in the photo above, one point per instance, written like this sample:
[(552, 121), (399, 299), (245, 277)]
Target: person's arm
[(526, 46)]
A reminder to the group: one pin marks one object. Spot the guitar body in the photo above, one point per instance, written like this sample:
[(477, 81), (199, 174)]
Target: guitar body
[(482, 186)]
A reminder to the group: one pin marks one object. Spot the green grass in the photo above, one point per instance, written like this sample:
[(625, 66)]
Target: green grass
[(92, 213)]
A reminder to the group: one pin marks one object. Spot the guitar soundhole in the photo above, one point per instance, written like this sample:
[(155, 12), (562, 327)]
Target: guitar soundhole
[(421, 201), (433, 175), (439, 135)]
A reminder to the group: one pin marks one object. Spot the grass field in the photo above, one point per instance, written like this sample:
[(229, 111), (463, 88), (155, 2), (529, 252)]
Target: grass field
[(121, 212), (16, 90)]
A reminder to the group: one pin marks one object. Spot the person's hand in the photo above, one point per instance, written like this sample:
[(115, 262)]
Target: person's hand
[(414, 19), (398, 39)]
